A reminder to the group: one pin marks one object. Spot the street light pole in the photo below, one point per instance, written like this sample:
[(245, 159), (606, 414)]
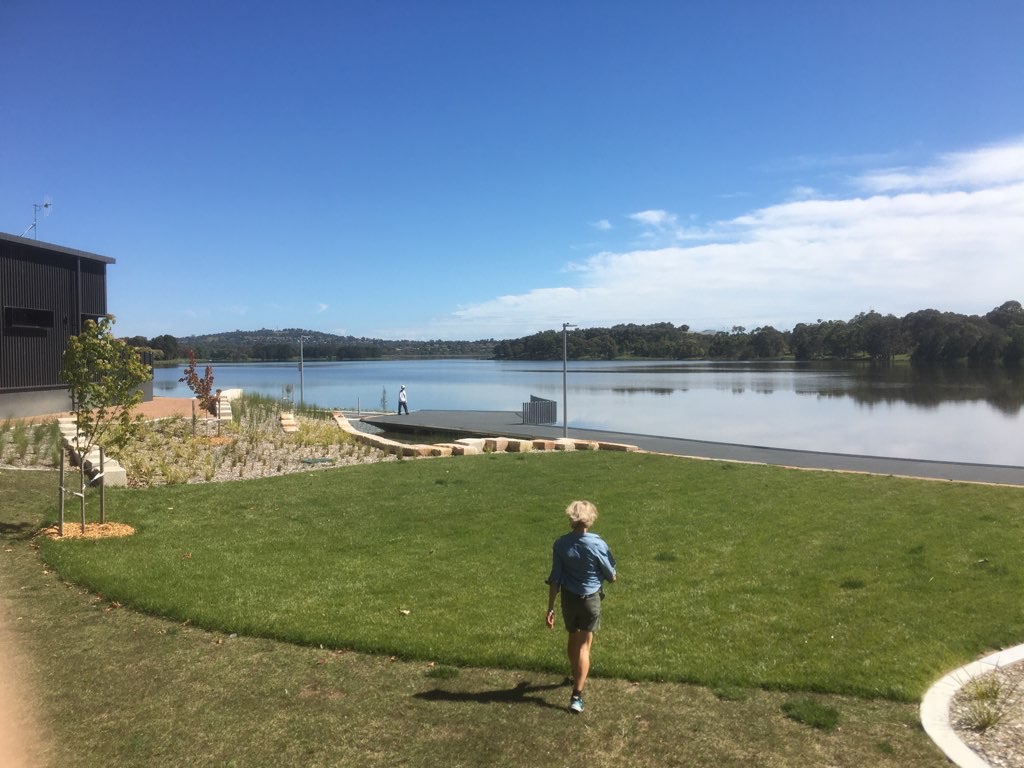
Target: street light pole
[(302, 388), (565, 389)]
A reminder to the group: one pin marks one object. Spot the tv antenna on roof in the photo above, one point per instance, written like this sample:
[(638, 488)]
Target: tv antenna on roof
[(45, 207)]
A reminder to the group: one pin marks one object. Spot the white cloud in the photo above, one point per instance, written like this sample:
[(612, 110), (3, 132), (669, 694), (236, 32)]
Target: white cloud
[(803, 193), (987, 166), (657, 219), (946, 236), (604, 225), (322, 308), (664, 227)]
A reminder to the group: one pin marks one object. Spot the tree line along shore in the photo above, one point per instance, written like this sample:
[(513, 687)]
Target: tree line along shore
[(924, 336)]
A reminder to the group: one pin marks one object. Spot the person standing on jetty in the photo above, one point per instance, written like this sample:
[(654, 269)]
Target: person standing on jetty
[(580, 561), (403, 401)]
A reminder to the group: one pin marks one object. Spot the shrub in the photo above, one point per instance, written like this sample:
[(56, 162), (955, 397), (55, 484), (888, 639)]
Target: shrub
[(201, 386), (104, 377), (988, 698)]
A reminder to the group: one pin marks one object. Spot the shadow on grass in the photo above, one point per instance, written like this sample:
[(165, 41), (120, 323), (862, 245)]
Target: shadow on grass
[(520, 694), (17, 530)]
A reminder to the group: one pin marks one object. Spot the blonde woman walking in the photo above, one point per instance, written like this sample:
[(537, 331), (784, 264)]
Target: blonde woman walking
[(580, 562)]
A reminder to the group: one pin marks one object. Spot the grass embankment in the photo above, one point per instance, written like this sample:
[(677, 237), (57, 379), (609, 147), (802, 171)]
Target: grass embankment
[(743, 579)]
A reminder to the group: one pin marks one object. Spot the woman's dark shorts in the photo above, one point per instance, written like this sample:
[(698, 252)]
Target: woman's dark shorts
[(581, 614)]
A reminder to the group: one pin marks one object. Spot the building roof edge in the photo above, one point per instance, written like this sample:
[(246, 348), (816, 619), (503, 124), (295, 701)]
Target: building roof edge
[(57, 248)]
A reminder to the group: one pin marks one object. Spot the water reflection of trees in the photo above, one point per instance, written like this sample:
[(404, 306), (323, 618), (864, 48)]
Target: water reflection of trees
[(928, 386), (660, 391), (865, 383)]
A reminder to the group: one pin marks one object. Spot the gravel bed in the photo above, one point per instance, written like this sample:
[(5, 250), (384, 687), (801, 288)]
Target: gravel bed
[(999, 693), (173, 450)]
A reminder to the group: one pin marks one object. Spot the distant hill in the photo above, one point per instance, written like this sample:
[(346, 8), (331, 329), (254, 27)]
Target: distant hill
[(926, 336), (283, 344)]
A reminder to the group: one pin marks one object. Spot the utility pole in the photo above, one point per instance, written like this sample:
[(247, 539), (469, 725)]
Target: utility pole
[(565, 368), (302, 387)]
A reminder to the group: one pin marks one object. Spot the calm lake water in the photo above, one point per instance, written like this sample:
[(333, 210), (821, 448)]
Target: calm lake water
[(903, 411)]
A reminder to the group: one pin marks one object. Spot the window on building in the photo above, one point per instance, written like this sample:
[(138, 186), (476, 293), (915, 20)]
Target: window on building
[(24, 319)]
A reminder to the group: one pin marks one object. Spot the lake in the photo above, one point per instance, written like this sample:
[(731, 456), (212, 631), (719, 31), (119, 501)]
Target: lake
[(945, 414)]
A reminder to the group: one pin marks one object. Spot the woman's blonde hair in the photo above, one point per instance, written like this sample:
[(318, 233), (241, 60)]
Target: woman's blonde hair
[(581, 513)]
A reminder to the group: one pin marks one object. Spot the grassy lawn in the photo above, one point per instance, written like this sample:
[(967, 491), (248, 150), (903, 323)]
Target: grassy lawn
[(730, 574), (743, 590)]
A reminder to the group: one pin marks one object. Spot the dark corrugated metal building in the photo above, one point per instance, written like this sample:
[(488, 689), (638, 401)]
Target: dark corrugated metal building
[(46, 293)]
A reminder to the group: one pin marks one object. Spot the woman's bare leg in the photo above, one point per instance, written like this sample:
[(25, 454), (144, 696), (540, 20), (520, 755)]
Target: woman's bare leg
[(579, 657)]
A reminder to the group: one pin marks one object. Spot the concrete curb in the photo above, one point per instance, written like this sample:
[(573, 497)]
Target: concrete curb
[(936, 702)]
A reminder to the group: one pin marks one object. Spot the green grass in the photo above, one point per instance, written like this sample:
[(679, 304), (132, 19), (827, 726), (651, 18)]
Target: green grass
[(24, 497), (731, 575), (30, 443), (812, 713), (253, 403), (120, 687)]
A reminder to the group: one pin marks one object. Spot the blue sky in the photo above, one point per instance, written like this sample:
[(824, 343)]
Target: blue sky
[(477, 169)]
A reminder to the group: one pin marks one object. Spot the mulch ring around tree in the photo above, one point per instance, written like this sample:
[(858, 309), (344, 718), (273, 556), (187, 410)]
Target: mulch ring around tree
[(73, 530)]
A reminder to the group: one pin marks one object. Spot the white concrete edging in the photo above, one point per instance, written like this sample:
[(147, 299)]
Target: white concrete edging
[(936, 702)]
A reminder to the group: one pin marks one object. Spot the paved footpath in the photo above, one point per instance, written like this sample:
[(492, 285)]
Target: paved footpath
[(509, 424)]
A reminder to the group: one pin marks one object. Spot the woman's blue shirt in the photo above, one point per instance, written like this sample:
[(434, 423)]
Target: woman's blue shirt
[(580, 562)]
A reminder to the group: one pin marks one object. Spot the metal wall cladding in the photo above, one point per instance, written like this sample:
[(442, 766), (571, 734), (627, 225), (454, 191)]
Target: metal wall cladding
[(60, 287)]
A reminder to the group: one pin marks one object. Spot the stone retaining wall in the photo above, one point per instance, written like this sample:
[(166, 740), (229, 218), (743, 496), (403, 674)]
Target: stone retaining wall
[(471, 446)]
